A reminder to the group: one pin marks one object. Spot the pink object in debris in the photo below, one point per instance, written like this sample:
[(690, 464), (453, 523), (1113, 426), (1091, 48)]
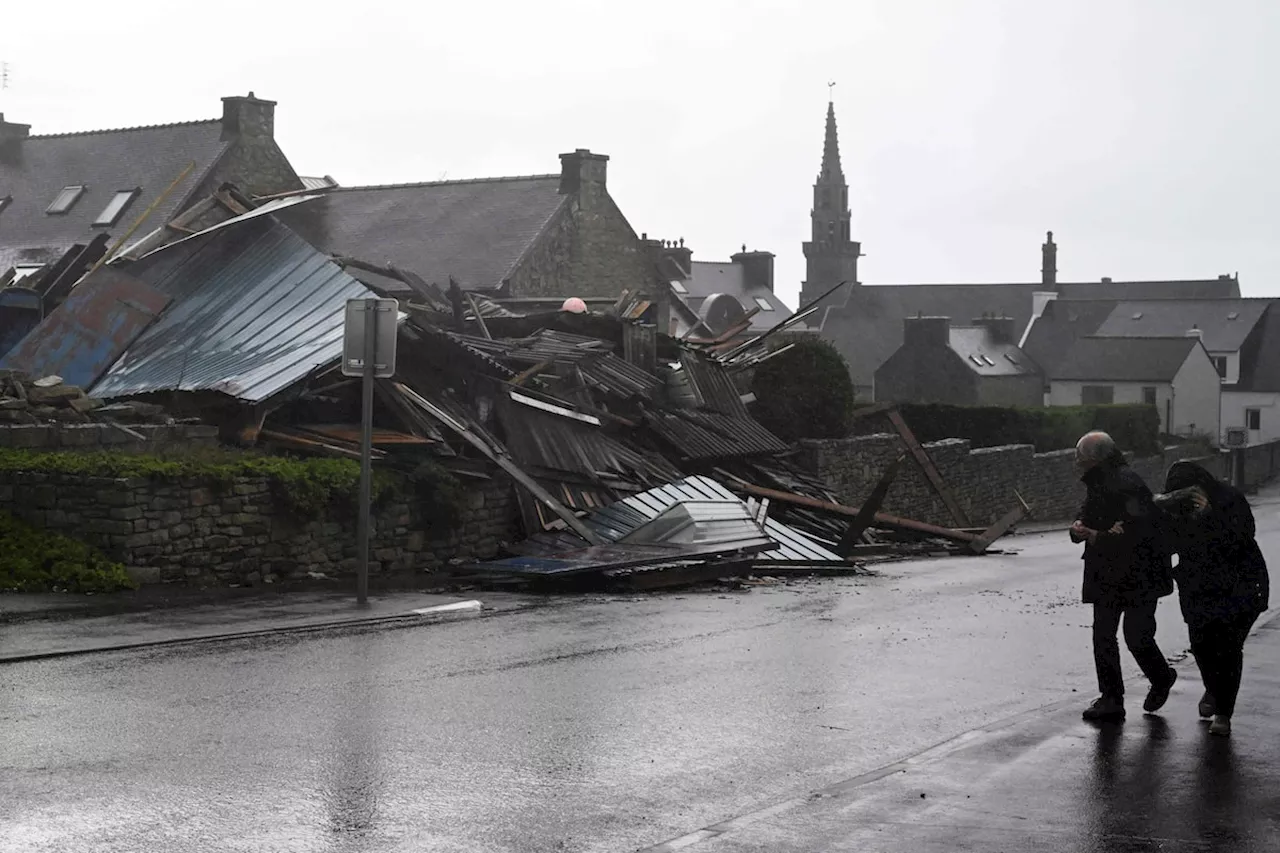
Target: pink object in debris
[(574, 305)]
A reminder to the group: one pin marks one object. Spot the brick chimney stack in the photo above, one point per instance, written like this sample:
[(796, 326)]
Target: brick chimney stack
[(757, 268), (582, 171), (11, 137), (248, 116), (926, 331), (1049, 263)]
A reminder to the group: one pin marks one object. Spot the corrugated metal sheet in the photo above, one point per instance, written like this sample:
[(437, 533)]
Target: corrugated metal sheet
[(713, 387), (86, 334), (619, 519), (698, 434), (254, 310)]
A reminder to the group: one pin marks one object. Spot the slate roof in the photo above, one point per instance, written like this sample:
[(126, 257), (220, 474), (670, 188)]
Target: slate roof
[(1260, 369), (867, 326), (998, 359), (1060, 325), (104, 161), (476, 231), (711, 277), (1224, 323), (1095, 359)]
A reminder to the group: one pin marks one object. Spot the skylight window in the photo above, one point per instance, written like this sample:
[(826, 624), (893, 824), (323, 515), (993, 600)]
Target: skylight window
[(765, 304), (5, 201), (22, 271), (989, 362), (679, 287), (66, 199), (976, 360), (1009, 357), (1234, 315), (1137, 315), (119, 202)]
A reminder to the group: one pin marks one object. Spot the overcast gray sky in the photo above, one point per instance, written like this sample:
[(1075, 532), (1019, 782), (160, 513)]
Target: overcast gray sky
[(1144, 133)]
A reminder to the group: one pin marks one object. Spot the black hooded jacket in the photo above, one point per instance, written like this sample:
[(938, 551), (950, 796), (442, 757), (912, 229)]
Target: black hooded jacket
[(1221, 572), (1132, 567)]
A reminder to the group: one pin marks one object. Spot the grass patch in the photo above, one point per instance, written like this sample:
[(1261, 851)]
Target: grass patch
[(35, 560)]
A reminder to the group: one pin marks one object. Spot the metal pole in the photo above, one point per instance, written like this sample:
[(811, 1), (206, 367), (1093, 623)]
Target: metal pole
[(366, 450)]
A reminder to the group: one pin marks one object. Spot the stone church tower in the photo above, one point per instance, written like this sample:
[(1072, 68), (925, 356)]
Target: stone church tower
[(831, 255)]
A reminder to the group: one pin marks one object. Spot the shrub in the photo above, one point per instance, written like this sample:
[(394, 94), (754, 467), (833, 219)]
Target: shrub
[(804, 392), (1135, 428), (35, 560)]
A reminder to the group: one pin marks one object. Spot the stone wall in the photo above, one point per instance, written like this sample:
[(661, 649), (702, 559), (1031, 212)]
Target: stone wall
[(983, 480), (138, 438), (194, 532)]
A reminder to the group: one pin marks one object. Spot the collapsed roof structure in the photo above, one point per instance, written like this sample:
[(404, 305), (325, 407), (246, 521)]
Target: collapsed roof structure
[(594, 416)]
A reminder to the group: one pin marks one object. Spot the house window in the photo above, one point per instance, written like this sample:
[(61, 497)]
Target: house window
[(1253, 419), (1097, 395), (68, 197), (679, 287), (119, 202), (1220, 365), (1149, 395)]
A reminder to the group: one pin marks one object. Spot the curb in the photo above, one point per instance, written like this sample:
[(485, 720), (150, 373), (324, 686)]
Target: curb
[(444, 612)]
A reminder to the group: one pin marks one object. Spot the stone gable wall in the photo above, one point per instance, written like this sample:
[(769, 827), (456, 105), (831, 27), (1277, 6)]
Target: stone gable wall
[(139, 438), (983, 480), (195, 532)]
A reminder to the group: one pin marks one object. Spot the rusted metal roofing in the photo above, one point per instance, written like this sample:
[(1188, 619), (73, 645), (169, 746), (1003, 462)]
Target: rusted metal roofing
[(254, 310), (88, 332)]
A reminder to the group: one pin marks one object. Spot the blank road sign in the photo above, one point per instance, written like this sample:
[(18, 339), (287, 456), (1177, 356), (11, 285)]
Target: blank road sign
[(387, 313)]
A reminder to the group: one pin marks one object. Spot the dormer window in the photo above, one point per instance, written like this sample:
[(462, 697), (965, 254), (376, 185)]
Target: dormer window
[(66, 199), (117, 206)]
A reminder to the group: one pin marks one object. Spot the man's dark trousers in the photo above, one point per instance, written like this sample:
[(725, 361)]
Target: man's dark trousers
[(1139, 636)]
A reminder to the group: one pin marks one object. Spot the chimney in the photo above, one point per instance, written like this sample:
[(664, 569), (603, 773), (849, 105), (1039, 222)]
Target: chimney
[(670, 256), (757, 268), (11, 136), (248, 116), (929, 332), (999, 328), (582, 170), (1049, 263), (1195, 332)]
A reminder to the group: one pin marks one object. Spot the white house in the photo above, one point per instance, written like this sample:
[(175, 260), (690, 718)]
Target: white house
[(1241, 337), (1174, 374)]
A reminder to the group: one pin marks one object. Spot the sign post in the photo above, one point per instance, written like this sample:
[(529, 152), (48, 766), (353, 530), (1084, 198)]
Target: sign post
[(368, 351)]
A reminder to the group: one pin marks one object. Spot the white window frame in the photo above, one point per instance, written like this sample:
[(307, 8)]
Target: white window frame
[(765, 304), (120, 201), (65, 199)]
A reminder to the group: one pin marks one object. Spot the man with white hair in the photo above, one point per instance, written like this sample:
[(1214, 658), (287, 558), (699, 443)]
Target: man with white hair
[(1126, 572)]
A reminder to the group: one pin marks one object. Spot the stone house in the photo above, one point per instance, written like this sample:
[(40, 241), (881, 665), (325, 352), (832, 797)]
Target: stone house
[(528, 242), (975, 365), (709, 297), (63, 190), (1174, 374)]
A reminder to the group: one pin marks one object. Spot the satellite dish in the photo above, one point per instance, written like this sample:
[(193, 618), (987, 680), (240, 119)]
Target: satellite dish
[(720, 311)]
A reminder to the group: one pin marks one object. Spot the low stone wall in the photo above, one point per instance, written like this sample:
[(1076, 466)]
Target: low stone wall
[(239, 533), (983, 480), (147, 438)]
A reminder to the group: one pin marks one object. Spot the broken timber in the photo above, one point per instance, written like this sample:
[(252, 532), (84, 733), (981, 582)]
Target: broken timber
[(926, 465), (866, 515), (504, 462), (882, 519)]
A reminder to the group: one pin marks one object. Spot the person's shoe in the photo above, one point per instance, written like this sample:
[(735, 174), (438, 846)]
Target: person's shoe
[(1220, 726), (1105, 708), (1159, 693), (1208, 705)]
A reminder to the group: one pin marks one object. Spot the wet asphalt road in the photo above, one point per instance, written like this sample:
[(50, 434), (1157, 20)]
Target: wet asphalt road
[(587, 725)]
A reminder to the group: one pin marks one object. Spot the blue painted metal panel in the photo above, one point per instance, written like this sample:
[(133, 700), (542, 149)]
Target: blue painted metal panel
[(89, 331), (254, 310)]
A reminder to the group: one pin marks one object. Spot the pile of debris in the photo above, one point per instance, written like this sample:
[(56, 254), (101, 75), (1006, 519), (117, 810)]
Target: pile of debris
[(48, 400), (636, 458)]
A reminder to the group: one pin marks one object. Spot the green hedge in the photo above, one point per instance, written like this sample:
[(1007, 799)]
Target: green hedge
[(804, 392), (35, 560), (1135, 428)]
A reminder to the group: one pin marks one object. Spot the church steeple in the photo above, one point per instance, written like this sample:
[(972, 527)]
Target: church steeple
[(831, 255)]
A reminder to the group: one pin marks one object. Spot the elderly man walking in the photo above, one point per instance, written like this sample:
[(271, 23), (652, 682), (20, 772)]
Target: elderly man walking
[(1127, 570)]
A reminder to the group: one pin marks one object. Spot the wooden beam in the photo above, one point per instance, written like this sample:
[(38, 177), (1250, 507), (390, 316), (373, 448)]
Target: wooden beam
[(530, 372), (868, 411), (475, 309), (930, 470), (1000, 528), (882, 519), (867, 514), (500, 458)]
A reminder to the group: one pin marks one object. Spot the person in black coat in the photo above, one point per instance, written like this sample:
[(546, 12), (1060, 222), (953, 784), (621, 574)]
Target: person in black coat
[(1127, 566), (1223, 584)]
